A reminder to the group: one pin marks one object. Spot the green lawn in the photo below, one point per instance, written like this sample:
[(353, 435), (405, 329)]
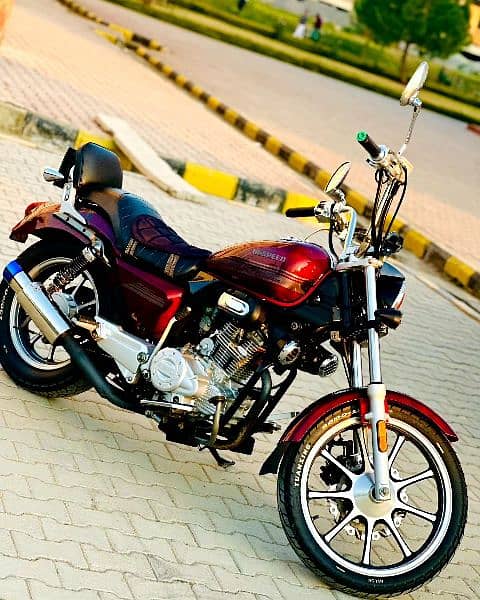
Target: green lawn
[(345, 48)]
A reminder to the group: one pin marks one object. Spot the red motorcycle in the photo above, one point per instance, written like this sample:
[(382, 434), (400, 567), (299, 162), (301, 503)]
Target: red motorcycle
[(370, 491)]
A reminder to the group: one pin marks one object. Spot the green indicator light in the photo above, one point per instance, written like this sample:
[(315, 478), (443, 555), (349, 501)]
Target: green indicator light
[(362, 136)]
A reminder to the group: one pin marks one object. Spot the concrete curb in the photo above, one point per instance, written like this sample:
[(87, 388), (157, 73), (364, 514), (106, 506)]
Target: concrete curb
[(291, 157), (18, 121)]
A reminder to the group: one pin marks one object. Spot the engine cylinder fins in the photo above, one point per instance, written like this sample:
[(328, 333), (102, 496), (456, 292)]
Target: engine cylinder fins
[(235, 355)]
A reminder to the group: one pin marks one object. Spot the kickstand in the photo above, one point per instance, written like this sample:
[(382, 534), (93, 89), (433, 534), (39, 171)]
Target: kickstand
[(221, 462)]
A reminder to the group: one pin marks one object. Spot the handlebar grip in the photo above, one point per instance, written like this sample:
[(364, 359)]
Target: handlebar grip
[(304, 211), (370, 146)]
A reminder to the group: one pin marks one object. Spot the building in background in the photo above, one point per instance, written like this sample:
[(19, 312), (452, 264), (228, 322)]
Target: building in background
[(472, 51), (5, 9)]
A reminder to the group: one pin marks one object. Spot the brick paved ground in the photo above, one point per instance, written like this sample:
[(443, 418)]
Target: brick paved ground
[(95, 506), (53, 63)]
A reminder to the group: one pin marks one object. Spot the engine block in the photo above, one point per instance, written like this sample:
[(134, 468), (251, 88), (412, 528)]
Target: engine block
[(216, 367)]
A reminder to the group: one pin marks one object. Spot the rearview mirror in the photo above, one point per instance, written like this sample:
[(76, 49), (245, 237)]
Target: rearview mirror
[(52, 175), (415, 84), (338, 177)]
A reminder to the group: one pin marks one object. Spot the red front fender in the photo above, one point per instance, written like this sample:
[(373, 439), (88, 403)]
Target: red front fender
[(299, 427)]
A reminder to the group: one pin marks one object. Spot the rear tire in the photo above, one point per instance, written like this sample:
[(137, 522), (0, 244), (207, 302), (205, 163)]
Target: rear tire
[(28, 359), (301, 500)]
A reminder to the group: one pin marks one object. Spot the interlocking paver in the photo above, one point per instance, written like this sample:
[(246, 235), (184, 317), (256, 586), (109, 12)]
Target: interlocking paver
[(12, 588), (435, 341), (83, 579), (40, 591), (65, 551), (86, 534)]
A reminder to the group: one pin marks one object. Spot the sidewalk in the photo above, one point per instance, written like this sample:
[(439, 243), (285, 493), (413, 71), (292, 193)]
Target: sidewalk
[(95, 506), (76, 75)]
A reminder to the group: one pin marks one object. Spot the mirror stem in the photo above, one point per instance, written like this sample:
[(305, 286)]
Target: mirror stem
[(417, 105)]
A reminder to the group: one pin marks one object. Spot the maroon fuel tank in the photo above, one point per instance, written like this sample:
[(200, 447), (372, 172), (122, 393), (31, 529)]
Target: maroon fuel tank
[(284, 273)]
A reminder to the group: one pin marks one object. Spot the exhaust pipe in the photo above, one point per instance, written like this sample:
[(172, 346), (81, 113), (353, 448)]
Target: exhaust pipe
[(35, 302), (51, 323)]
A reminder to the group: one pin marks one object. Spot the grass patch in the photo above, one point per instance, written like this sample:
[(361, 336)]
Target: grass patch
[(301, 55)]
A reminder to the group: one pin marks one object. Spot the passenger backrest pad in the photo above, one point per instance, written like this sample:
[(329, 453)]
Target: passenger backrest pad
[(96, 168)]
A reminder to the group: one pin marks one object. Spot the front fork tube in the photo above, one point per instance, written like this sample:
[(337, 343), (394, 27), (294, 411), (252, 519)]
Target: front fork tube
[(376, 392)]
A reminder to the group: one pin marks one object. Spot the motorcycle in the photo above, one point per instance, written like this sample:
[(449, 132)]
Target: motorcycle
[(371, 494)]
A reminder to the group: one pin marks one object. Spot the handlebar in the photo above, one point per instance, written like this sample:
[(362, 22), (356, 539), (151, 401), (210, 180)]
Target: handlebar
[(304, 211), (370, 146)]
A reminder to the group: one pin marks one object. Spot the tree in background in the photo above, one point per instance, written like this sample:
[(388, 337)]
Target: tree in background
[(436, 27)]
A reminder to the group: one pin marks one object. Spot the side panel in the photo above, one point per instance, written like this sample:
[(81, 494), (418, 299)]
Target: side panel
[(151, 300), (300, 426)]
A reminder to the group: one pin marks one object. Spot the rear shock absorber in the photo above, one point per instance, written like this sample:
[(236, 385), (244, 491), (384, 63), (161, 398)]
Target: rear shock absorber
[(72, 270)]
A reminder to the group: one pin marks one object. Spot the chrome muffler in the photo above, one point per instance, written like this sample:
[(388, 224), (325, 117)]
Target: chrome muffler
[(35, 302)]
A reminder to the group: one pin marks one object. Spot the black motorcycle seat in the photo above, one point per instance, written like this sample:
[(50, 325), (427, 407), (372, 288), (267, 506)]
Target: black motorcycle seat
[(141, 233)]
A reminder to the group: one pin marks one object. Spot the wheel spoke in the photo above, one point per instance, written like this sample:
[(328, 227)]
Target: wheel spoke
[(334, 494), (326, 454), (399, 539), (78, 286), (367, 547), (414, 479), (51, 354), (86, 304), (422, 514), (328, 537), (396, 449), (24, 322), (37, 336)]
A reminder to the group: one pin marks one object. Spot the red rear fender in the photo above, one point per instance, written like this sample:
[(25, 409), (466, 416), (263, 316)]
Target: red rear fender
[(38, 215), (42, 221), (302, 424)]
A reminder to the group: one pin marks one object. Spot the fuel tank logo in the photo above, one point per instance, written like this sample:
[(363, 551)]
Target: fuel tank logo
[(267, 254)]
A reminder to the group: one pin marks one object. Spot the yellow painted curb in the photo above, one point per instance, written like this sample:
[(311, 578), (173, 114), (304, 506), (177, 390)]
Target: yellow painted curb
[(357, 201), (273, 145), (322, 178), (210, 181), (127, 33), (230, 115), (111, 37), (416, 243), (181, 80), (398, 224), (83, 137), (251, 130), (458, 270), (297, 161), (213, 102), (153, 60)]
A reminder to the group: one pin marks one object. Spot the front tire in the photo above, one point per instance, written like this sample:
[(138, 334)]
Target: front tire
[(28, 359), (338, 530)]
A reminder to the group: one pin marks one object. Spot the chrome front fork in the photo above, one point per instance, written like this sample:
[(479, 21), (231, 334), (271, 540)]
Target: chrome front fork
[(376, 392)]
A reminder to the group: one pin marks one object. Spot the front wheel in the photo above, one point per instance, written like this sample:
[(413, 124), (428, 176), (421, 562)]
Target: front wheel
[(340, 532)]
